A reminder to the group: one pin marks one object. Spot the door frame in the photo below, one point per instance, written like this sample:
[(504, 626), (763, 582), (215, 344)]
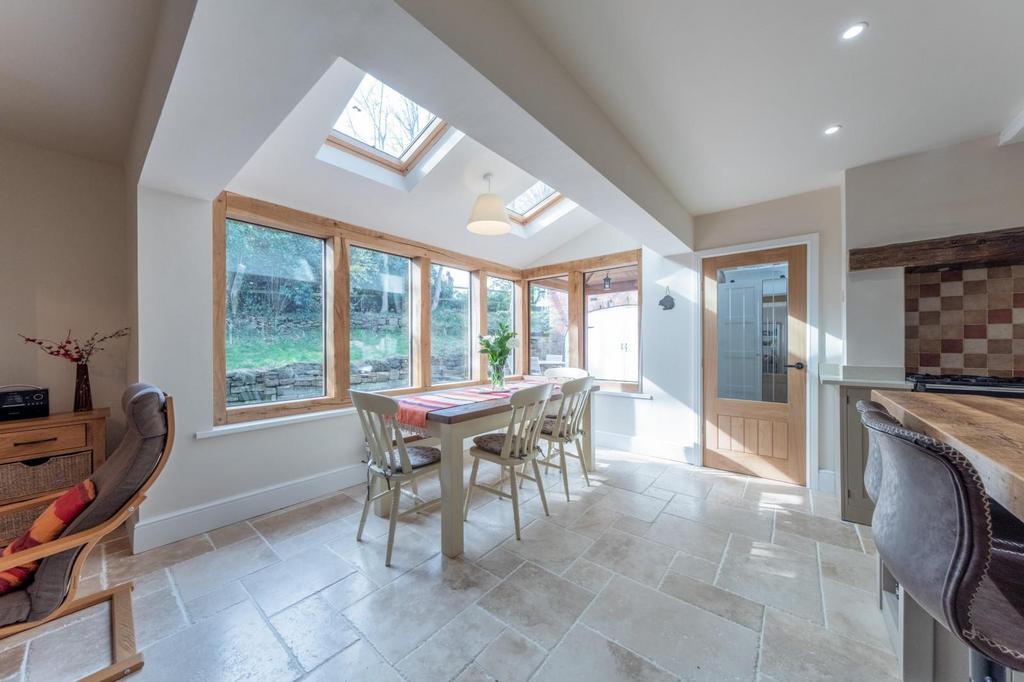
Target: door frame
[(812, 241)]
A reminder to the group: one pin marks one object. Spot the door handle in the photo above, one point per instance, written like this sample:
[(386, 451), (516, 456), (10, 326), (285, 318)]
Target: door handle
[(798, 365)]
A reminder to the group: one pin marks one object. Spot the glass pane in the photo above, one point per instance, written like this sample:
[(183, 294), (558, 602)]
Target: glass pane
[(274, 336), (383, 119), (753, 314), (530, 199), (613, 324), (501, 308), (379, 327), (549, 324), (450, 344)]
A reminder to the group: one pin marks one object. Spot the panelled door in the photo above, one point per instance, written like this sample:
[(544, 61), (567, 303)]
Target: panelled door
[(755, 355)]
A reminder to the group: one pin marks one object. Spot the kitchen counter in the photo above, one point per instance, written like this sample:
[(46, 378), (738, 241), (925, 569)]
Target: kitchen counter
[(988, 431)]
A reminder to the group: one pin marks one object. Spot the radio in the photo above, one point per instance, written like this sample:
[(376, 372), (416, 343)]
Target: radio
[(22, 401)]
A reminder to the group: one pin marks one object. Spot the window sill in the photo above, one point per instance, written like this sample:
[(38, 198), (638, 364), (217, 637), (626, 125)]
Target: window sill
[(610, 393), (260, 424)]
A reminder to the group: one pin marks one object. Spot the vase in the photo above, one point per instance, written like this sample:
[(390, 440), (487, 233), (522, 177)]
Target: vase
[(83, 391), (496, 373)]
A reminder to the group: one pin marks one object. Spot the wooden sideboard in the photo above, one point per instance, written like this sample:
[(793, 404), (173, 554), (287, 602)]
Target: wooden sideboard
[(41, 458)]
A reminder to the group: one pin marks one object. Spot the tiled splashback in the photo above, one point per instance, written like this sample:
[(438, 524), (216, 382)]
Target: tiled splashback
[(965, 321)]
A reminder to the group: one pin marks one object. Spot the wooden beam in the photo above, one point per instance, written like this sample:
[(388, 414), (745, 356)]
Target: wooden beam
[(577, 323), (521, 321), (420, 372), (611, 260), (220, 302), (979, 249), (478, 298)]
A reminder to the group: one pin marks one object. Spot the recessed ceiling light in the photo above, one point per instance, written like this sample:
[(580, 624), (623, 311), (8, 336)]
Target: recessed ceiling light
[(832, 130), (855, 30)]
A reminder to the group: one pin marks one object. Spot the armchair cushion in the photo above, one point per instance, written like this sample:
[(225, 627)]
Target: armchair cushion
[(14, 607), (50, 524)]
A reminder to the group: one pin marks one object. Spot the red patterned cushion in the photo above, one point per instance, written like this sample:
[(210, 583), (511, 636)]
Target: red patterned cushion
[(50, 524)]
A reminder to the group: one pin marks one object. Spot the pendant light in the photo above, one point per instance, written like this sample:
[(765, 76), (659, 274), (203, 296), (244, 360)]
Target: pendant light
[(607, 282), (489, 216)]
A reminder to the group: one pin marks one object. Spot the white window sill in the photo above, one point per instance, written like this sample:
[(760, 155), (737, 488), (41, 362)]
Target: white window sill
[(623, 394), (231, 429)]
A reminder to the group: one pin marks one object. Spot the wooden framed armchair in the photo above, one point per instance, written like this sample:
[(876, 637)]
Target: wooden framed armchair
[(121, 485)]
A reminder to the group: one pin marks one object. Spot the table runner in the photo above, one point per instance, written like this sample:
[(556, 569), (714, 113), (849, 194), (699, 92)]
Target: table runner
[(413, 409)]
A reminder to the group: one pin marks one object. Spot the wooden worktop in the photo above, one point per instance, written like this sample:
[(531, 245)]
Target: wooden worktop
[(988, 431)]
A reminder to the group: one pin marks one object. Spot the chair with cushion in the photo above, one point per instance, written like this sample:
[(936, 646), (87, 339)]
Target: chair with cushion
[(956, 551), (873, 465), (516, 446), (566, 426), (392, 461), (120, 485)]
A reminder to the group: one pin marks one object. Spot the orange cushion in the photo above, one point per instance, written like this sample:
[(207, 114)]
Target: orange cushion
[(50, 524)]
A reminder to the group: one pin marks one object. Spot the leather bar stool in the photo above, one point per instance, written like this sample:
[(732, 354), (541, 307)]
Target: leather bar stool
[(873, 465), (957, 552)]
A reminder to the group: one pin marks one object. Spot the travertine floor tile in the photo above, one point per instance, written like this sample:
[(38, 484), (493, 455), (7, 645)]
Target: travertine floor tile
[(539, 604), (688, 536), (694, 567), (452, 648), (794, 649), (279, 586), (511, 657), (348, 590), (358, 663), (313, 630), (157, 615), (633, 504), (738, 609), (684, 639), (122, 566), (586, 656), (500, 561), (281, 525), (756, 524), (208, 572), (631, 556), (548, 545), (213, 603), (849, 566), (818, 528), (72, 652), (772, 575), (228, 535), (855, 614), (588, 575)]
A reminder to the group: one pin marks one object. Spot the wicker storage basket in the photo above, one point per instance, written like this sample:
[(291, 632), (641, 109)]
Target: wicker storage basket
[(14, 524), (20, 480)]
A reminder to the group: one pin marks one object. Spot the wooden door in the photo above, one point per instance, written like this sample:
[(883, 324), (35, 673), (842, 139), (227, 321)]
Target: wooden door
[(755, 356)]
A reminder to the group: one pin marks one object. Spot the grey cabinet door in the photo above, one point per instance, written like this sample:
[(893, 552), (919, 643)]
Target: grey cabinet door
[(856, 505)]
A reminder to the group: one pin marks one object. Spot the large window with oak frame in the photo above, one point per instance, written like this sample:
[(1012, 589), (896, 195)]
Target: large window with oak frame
[(306, 308)]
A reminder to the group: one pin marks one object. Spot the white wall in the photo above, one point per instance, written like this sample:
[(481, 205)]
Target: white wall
[(812, 212), (969, 187), (62, 266), (215, 481), (663, 423)]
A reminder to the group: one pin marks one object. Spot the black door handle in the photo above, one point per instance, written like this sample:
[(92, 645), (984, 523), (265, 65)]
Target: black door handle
[(798, 365)]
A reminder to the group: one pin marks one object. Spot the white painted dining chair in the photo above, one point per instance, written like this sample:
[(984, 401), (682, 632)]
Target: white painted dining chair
[(566, 426), (391, 460), (516, 446)]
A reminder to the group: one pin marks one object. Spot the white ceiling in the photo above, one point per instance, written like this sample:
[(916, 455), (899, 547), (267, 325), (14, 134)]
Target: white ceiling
[(285, 170), (726, 99), (71, 72)]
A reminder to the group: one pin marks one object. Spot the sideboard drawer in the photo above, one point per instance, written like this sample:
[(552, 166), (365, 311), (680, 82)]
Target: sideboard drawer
[(36, 441), (27, 478)]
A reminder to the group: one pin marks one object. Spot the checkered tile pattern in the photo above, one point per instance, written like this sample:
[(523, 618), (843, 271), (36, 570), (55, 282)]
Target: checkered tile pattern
[(966, 321)]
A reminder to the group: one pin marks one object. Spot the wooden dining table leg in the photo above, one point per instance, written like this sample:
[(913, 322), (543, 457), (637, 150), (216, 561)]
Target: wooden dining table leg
[(451, 490)]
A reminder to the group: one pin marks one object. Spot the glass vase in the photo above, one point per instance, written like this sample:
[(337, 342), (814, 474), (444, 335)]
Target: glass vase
[(496, 373), (83, 391)]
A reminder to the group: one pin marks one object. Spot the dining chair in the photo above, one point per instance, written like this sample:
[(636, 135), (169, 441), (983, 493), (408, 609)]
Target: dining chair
[(566, 426), (392, 460), (514, 447)]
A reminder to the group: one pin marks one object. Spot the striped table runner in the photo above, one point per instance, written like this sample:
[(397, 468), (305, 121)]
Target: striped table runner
[(413, 409)]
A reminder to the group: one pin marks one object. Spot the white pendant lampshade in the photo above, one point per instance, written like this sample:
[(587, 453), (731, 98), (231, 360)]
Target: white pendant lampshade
[(489, 216)]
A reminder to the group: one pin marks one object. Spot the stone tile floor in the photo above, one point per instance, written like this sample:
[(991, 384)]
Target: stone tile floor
[(658, 571)]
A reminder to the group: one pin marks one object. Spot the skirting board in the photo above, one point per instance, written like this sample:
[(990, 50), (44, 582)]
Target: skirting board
[(184, 523), (646, 446)]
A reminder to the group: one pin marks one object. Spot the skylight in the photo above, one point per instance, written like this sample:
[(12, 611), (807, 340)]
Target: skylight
[(385, 126), (535, 199)]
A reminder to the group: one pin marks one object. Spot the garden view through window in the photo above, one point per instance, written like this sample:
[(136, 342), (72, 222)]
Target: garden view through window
[(613, 324), (501, 308), (549, 323), (383, 119), (275, 327), (450, 325), (379, 320)]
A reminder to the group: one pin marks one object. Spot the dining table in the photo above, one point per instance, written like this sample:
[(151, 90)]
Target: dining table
[(452, 426)]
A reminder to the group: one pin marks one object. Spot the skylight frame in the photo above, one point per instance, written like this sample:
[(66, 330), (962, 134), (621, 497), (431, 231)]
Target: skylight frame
[(535, 210), (413, 153)]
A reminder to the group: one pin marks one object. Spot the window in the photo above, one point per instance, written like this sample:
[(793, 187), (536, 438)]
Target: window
[(549, 324), (613, 324), (379, 320), (275, 329), (532, 202), (383, 126), (450, 325), (501, 307)]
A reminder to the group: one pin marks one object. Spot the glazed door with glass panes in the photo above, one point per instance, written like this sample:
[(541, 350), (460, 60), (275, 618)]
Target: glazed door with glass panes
[(755, 355)]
